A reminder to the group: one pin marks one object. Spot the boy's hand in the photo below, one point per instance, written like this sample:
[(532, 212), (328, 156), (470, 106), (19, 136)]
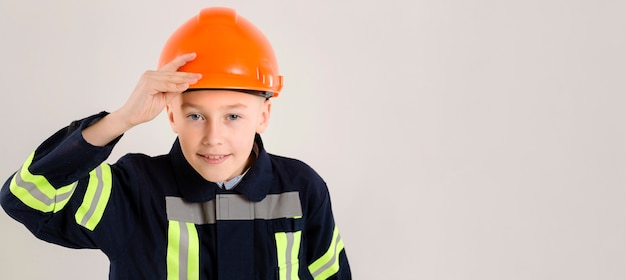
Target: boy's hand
[(156, 88)]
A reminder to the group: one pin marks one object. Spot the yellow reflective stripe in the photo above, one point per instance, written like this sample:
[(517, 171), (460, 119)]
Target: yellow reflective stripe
[(193, 259), (36, 192), (288, 248), (96, 197), (173, 244), (281, 248), (183, 251), (328, 264)]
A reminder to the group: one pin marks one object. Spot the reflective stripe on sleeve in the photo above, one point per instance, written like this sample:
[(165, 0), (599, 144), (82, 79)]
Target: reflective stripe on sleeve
[(96, 197), (183, 251), (36, 192), (328, 264), (288, 248)]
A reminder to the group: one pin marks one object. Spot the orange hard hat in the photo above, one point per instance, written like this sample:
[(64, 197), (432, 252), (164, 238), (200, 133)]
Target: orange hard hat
[(231, 53)]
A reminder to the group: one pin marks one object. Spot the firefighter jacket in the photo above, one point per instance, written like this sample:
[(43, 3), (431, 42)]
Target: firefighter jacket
[(156, 218)]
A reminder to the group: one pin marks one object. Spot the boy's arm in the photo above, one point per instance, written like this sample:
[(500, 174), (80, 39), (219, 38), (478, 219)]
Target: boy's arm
[(52, 184), (62, 189), (325, 248)]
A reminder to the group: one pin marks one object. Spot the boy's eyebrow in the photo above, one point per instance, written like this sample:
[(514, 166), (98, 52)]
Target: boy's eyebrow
[(231, 106)]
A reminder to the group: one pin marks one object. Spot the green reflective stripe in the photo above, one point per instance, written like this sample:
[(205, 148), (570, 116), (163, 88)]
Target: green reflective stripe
[(96, 197), (173, 245), (234, 207), (281, 249), (36, 192), (288, 248), (328, 264), (193, 257), (183, 251)]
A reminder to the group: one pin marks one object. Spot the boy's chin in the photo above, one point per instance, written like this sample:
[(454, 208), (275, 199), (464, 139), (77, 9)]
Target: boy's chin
[(218, 173), (216, 177)]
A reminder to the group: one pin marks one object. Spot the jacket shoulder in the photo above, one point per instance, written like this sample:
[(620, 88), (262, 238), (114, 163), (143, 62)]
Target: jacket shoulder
[(137, 167), (293, 168)]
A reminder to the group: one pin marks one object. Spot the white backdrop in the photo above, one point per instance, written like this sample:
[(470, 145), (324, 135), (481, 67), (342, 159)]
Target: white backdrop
[(460, 139)]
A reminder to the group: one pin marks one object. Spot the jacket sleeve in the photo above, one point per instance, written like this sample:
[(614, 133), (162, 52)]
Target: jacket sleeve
[(61, 191), (325, 248)]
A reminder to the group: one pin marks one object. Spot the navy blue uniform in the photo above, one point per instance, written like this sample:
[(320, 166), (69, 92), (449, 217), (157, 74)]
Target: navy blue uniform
[(157, 218)]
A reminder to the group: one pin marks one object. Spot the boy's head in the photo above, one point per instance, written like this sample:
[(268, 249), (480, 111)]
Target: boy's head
[(216, 129), (217, 118)]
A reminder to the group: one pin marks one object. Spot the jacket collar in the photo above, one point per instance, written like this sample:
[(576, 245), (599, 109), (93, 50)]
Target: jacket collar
[(254, 185)]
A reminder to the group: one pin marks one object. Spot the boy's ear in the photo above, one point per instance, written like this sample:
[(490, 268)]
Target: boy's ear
[(264, 119), (170, 117)]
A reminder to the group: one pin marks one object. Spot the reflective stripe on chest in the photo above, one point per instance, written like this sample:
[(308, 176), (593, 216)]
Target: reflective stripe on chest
[(234, 207), (183, 240)]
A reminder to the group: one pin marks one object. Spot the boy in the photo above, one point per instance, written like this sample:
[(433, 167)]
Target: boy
[(217, 206)]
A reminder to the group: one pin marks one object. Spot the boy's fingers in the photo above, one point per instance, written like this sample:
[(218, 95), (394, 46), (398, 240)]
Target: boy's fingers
[(178, 76), (169, 74), (178, 62), (179, 85), (169, 81), (174, 87)]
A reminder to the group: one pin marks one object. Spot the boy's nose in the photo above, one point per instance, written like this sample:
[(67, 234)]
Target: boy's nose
[(212, 134)]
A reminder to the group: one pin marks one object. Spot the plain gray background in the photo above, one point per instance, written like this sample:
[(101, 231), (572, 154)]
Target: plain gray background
[(460, 139)]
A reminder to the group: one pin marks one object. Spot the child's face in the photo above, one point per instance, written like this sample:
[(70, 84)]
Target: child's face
[(216, 129)]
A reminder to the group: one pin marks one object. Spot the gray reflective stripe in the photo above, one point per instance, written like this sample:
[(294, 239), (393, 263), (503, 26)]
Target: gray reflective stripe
[(36, 193), (284, 205), (289, 267), (197, 213), (96, 198), (234, 207), (183, 253)]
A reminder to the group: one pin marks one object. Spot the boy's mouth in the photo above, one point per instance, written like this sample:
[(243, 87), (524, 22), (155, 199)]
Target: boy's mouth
[(214, 159)]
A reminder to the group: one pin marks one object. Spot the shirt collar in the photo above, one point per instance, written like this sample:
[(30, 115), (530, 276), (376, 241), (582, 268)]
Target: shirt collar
[(254, 185)]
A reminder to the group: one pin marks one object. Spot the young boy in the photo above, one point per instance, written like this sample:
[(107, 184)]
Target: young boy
[(217, 206)]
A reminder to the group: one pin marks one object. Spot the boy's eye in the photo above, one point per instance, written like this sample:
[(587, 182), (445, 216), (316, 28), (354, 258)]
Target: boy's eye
[(194, 117), (233, 117)]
